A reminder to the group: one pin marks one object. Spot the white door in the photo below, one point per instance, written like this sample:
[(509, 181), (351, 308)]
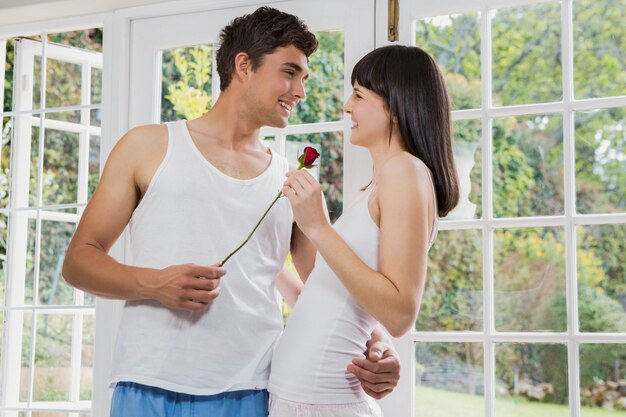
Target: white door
[(175, 53)]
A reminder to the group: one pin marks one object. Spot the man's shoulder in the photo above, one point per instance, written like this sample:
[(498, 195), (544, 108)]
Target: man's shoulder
[(140, 142), (143, 138), (146, 133)]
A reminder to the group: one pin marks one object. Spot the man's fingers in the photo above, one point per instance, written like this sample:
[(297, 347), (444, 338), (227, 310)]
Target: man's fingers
[(202, 296), (192, 305), (206, 271), (382, 387), (365, 375), (202, 284), (376, 395)]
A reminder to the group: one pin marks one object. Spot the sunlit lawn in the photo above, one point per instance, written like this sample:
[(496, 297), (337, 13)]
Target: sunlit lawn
[(439, 403)]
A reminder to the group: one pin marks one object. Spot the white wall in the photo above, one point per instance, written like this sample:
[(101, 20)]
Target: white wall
[(51, 9)]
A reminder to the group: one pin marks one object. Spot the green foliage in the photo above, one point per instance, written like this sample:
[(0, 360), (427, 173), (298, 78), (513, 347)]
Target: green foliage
[(187, 80), (324, 87), (528, 172), (453, 296), (454, 42), (599, 42)]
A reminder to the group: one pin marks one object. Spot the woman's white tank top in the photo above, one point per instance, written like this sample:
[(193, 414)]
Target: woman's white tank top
[(327, 327)]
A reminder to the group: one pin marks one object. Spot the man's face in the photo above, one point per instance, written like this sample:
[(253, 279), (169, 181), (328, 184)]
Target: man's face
[(276, 86)]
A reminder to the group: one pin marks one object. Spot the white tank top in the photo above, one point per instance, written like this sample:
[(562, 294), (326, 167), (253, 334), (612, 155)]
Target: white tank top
[(192, 212), (327, 327)]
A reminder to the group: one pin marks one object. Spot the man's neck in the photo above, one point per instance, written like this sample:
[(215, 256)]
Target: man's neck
[(227, 123)]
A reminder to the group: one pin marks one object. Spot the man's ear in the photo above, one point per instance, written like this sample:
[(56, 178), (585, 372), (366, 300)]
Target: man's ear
[(243, 66)]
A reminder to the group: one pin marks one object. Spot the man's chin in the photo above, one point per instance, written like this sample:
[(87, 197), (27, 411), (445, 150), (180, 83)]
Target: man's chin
[(279, 124)]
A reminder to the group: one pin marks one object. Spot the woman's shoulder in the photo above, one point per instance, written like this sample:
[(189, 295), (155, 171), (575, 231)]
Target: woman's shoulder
[(406, 169)]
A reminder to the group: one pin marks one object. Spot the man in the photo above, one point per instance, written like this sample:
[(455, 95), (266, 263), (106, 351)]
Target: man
[(196, 338)]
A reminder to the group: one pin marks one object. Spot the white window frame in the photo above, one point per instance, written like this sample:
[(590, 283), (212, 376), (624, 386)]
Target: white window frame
[(24, 117), (401, 402), (412, 10)]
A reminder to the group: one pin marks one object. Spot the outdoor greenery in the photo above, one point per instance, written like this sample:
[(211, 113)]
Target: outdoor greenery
[(528, 167), (528, 180)]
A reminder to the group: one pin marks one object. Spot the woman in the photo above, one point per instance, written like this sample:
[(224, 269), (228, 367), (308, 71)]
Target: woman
[(371, 265)]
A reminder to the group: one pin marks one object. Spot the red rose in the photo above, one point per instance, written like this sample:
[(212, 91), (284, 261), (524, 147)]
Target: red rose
[(308, 157)]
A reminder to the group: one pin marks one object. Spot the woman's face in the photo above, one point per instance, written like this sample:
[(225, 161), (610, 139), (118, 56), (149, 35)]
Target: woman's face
[(370, 119)]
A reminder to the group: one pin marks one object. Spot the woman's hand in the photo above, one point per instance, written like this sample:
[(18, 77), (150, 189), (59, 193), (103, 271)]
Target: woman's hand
[(305, 196)]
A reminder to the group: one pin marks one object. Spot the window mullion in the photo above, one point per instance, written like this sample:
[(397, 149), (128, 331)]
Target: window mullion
[(18, 223), (83, 148), (573, 360), (76, 354), (37, 261), (3, 57), (488, 297)]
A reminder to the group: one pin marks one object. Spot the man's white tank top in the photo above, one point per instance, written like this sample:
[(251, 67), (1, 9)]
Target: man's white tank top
[(194, 213), (328, 327)]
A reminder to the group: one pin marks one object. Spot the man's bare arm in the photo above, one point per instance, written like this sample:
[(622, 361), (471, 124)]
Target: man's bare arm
[(87, 264)]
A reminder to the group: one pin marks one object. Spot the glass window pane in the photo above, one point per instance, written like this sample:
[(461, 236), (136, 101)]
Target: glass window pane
[(600, 160), (34, 167), (7, 65), (29, 278), (601, 284), (330, 165), (55, 238), (529, 278), (603, 380), (453, 299), (186, 82), (324, 88), (65, 116), (95, 118), (63, 83), (454, 42), (449, 380), (4, 235), (528, 166), (88, 39), (531, 380), (6, 133), (27, 324), (96, 85), (87, 352), (599, 48), (60, 167), (20, 250), (28, 67), (53, 357), (94, 164), (526, 54), (468, 159)]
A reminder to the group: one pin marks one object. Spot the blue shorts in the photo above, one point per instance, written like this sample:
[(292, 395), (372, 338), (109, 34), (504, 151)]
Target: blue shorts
[(136, 400)]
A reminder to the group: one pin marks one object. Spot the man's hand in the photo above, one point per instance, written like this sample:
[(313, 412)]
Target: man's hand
[(187, 287), (379, 372)]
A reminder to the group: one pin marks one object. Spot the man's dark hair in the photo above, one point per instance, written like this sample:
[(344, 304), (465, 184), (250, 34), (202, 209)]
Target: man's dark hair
[(258, 34)]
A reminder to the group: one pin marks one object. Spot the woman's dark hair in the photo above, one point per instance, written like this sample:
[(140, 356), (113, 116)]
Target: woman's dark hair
[(415, 95), (259, 34)]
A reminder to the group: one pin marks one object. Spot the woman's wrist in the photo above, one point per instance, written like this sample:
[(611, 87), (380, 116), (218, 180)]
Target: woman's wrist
[(320, 235)]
